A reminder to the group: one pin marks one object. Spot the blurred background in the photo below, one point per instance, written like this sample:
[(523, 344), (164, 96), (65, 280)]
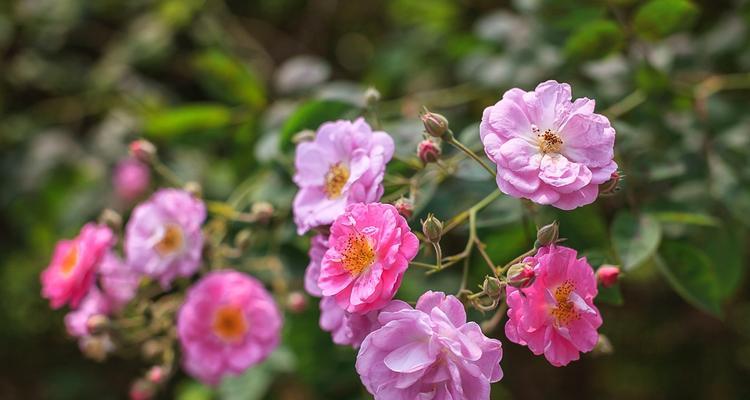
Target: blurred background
[(222, 86)]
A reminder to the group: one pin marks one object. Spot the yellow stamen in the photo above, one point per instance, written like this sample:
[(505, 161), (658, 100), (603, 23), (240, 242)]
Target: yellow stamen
[(549, 141), (565, 311), (335, 180), (70, 260), (229, 324), (171, 241), (358, 254)]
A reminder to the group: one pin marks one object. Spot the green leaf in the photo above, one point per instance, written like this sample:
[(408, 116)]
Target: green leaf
[(229, 79), (192, 118), (685, 218), (692, 275), (593, 40), (635, 239), (609, 295), (311, 115), (659, 18), (724, 246)]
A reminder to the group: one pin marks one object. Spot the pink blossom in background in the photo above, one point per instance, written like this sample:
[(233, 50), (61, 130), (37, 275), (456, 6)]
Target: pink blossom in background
[(608, 275), (428, 352), (555, 316), (345, 164), (71, 273), (118, 280), (318, 247), (346, 329), (227, 323), (163, 237), (95, 303), (370, 249), (548, 148), (131, 178)]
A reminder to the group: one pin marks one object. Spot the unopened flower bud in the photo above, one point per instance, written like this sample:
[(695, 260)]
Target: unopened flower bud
[(194, 188), (611, 186), (97, 323), (404, 207), (372, 96), (520, 275), (142, 389), (492, 287), (143, 150), (111, 218), (603, 346), (548, 234), (96, 347), (242, 239), (428, 151), (435, 124), (262, 210), (303, 136), (432, 228), (296, 302), (608, 275), (156, 374)]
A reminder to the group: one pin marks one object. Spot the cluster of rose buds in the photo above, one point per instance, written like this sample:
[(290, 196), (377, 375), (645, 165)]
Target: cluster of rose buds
[(548, 150)]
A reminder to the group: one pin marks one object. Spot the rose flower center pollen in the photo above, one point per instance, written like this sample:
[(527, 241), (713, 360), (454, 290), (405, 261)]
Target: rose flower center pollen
[(171, 241), (336, 178), (357, 255), (70, 260), (549, 140), (229, 323), (565, 311)]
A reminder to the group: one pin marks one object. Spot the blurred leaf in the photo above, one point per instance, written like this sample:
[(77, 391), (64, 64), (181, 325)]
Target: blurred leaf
[(594, 39), (685, 218), (311, 115), (659, 18), (228, 79), (192, 390), (692, 274), (609, 295), (192, 118), (635, 239), (724, 246)]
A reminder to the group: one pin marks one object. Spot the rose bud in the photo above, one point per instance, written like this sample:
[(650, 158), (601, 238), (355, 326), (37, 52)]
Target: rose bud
[(608, 275), (428, 151), (520, 275), (435, 124)]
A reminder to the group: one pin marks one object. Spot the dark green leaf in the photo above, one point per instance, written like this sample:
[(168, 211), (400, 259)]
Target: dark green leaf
[(229, 79), (635, 238), (192, 118), (659, 18), (685, 218), (594, 40), (692, 274)]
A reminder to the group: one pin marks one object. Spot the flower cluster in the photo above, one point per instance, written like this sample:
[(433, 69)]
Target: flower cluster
[(172, 290)]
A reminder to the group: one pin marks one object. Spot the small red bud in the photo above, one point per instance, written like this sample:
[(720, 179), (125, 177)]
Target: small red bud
[(521, 275), (428, 151), (435, 124), (296, 302), (143, 150), (608, 275), (404, 207), (156, 374), (142, 389)]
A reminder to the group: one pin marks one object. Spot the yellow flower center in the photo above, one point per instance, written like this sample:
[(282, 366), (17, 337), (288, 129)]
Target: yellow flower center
[(565, 311), (70, 260), (358, 254), (229, 324), (171, 241), (549, 140), (335, 180)]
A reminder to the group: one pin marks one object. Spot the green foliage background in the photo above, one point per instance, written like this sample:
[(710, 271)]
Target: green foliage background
[(222, 86)]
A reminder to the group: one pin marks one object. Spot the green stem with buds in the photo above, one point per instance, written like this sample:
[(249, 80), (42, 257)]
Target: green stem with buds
[(451, 139)]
